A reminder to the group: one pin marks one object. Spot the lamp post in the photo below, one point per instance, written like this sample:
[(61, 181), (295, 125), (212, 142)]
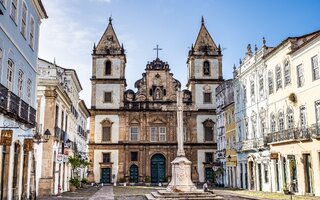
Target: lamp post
[(38, 138)]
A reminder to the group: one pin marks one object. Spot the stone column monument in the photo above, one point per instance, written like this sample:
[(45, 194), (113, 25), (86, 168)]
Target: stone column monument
[(181, 166)]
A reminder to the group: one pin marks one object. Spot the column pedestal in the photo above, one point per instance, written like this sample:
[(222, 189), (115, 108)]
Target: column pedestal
[(181, 176)]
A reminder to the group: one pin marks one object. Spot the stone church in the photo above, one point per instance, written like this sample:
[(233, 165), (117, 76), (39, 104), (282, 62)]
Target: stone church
[(133, 132)]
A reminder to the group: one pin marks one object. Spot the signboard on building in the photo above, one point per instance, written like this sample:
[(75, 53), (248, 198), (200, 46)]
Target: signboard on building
[(28, 144), (60, 158), (274, 155), (6, 137), (66, 151)]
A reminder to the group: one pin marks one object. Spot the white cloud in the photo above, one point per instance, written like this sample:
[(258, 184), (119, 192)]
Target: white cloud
[(64, 38)]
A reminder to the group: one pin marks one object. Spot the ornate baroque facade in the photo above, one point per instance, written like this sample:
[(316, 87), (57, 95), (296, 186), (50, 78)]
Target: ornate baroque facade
[(133, 133)]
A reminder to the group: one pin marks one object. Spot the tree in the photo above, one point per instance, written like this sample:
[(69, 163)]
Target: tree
[(75, 163)]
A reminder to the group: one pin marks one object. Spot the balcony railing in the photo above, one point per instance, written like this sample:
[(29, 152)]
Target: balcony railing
[(3, 99), (24, 109), (14, 105), (16, 108), (254, 144), (295, 134)]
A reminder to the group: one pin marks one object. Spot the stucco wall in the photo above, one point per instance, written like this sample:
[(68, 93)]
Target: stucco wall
[(114, 128), (114, 155)]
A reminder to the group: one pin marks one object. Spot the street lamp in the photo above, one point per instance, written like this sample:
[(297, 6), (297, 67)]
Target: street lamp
[(37, 138), (229, 158)]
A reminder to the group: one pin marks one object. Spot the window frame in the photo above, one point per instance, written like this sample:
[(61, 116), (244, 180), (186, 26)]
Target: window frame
[(300, 77), (106, 155), (206, 68), (209, 157), (273, 123), (286, 73), (290, 118), (10, 74), (105, 99), (14, 11), (110, 133), (29, 91), (162, 134), (108, 68), (281, 121), (261, 85), (315, 76), (136, 156), (303, 116), (32, 33), (270, 82), (134, 133), (24, 14), (278, 78), (153, 134), (20, 83), (205, 97)]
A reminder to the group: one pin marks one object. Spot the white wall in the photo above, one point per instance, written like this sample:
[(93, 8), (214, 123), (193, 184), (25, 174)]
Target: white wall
[(201, 159), (114, 129), (200, 129), (114, 155), (115, 89), (115, 68), (199, 90), (214, 67)]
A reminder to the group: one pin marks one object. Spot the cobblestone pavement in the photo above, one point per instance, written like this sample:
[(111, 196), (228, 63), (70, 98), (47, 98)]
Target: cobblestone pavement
[(105, 193)]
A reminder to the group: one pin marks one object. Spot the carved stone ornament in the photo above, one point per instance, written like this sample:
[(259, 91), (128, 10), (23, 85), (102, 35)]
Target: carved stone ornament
[(254, 117), (262, 113), (207, 88), (106, 122), (157, 80)]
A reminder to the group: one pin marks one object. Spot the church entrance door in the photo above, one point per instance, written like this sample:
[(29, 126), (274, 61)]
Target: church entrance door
[(158, 168), (134, 174), (105, 175)]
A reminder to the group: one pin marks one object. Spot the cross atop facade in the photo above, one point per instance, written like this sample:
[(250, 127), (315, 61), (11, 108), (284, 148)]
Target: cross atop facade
[(157, 49)]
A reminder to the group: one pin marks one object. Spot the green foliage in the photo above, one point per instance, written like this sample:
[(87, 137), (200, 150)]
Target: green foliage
[(75, 182), (147, 179), (84, 181), (122, 180)]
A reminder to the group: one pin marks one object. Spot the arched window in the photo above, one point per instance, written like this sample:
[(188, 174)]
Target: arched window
[(281, 121), (270, 82), (278, 77), (273, 123), (10, 74), (24, 20), (20, 83), (287, 75), (108, 67), (206, 68), (290, 121), (29, 87)]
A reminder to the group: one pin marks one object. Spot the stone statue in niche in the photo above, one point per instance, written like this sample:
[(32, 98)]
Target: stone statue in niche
[(157, 95)]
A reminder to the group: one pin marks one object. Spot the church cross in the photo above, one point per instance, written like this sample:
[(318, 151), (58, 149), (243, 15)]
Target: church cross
[(157, 49)]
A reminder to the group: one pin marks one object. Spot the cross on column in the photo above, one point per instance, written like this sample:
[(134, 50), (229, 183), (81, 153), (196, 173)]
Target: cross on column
[(157, 49)]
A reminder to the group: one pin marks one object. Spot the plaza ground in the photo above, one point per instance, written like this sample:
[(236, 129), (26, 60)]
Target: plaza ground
[(138, 192)]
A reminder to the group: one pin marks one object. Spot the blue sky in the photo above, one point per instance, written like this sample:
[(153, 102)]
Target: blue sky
[(74, 26)]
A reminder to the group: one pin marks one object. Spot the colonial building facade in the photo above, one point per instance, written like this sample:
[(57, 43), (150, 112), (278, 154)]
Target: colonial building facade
[(19, 34), (64, 114), (277, 116), (133, 133)]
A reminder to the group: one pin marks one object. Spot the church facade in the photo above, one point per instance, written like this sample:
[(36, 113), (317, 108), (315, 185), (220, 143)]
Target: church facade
[(133, 132)]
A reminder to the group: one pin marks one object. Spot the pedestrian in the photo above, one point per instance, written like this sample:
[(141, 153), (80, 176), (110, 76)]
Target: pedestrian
[(205, 187)]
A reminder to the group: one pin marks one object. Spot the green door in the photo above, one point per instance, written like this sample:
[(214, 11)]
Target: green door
[(158, 168), (209, 173), (134, 174), (105, 175)]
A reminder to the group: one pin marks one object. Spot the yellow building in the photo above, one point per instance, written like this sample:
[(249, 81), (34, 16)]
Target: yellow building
[(231, 154)]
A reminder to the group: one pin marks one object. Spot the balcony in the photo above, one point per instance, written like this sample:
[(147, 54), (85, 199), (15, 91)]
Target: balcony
[(3, 99), (14, 105), (32, 117), (24, 109), (238, 146), (294, 134), (253, 144)]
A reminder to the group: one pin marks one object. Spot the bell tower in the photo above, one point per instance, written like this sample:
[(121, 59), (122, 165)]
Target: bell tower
[(108, 71), (204, 69)]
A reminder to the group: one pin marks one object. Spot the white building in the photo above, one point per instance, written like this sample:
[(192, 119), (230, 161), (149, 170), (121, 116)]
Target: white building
[(64, 114), (19, 37), (251, 121), (294, 114)]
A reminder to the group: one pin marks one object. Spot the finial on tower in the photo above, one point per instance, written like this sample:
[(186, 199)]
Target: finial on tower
[(202, 21), (94, 48), (234, 67), (110, 19), (54, 60)]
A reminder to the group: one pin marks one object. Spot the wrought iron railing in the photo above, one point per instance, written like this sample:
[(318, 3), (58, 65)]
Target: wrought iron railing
[(32, 116), (24, 111), (3, 98), (303, 133), (14, 105)]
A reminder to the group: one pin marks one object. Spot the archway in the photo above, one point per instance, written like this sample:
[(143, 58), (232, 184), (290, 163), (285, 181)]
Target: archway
[(134, 174), (16, 170), (158, 168)]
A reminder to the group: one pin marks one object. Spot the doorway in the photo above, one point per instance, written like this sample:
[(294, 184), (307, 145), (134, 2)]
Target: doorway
[(158, 168), (105, 175), (134, 174)]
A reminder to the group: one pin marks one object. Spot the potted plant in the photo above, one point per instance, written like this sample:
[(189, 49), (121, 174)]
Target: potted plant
[(286, 189), (147, 180), (74, 184)]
